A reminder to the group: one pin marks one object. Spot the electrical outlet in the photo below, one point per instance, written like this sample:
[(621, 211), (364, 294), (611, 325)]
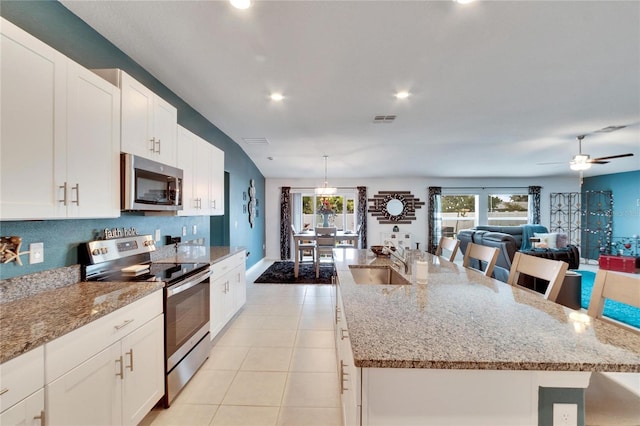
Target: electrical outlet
[(184, 231), (157, 235), (36, 253), (565, 414), (194, 229)]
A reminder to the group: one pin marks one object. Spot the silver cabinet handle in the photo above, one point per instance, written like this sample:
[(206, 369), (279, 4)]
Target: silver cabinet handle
[(64, 194), (120, 367), (77, 188), (130, 353), (342, 334), (343, 377), (153, 145), (159, 145), (124, 324), (41, 417)]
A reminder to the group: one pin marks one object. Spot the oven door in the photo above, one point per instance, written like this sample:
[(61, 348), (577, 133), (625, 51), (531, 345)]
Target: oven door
[(186, 316)]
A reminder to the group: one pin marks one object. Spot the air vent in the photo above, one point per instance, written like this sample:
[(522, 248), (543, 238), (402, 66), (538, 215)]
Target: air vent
[(384, 118), (256, 141)]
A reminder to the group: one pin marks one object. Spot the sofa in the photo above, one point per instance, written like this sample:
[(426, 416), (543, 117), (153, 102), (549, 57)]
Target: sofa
[(510, 239)]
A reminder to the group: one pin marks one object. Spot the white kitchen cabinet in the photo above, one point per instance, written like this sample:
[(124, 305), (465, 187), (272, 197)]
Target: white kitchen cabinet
[(203, 167), (216, 181), (60, 133), (349, 376), (21, 389), (149, 123), (110, 371), (28, 412), (228, 291)]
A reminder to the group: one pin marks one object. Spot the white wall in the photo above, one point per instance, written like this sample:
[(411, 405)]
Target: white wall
[(417, 186)]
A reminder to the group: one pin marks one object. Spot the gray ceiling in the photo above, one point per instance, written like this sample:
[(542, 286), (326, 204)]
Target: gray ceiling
[(496, 87)]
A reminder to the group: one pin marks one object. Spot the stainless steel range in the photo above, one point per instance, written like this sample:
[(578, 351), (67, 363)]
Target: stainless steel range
[(186, 299)]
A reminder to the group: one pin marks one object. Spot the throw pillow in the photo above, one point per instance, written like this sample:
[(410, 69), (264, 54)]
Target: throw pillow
[(562, 240), (546, 240)]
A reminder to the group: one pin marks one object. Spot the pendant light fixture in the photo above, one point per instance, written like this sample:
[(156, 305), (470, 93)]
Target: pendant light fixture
[(326, 189)]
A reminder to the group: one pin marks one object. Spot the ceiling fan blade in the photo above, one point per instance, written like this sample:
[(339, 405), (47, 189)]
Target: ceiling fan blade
[(598, 162), (611, 157)]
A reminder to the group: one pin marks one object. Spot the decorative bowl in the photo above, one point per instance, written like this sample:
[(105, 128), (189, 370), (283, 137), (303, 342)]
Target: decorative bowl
[(377, 250)]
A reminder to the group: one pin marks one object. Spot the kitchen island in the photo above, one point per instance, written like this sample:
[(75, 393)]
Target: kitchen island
[(464, 349)]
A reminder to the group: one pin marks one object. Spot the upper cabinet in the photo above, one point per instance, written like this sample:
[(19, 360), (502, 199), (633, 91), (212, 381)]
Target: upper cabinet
[(149, 123), (203, 167), (60, 134)]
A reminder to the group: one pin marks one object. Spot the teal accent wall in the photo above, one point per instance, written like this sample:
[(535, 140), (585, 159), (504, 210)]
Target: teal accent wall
[(549, 396), (55, 25), (625, 188)]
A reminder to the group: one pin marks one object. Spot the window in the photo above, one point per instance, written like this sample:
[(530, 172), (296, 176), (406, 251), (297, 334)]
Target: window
[(507, 209), (466, 208), (458, 212), (342, 205)]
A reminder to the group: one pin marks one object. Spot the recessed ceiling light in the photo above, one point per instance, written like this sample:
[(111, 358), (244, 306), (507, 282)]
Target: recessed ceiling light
[(277, 97), (240, 4), (464, 1), (402, 95)]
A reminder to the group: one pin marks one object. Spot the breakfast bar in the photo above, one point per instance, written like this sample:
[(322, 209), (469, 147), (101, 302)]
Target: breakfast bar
[(463, 347)]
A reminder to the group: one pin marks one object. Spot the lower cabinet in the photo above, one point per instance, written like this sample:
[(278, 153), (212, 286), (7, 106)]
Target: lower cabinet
[(228, 291), (28, 412), (349, 375), (121, 383)]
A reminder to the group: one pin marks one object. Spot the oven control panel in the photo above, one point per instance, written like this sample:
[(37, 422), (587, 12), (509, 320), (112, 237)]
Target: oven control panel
[(117, 248)]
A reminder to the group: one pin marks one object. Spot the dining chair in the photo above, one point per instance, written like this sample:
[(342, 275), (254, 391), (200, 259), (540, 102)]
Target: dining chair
[(450, 245), (483, 254), (538, 267), (325, 243), (615, 286), (305, 247), (350, 243)]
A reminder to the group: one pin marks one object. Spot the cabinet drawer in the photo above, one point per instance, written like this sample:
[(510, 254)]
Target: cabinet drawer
[(21, 376), (74, 348), (225, 266)]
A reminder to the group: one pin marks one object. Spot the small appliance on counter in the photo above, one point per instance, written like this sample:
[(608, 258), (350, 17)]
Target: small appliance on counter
[(186, 290)]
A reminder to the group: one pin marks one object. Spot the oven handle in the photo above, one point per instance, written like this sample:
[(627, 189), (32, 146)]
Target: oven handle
[(195, 280)]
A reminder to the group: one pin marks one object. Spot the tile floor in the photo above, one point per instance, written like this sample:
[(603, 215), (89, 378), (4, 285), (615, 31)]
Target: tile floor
[(274, 364)]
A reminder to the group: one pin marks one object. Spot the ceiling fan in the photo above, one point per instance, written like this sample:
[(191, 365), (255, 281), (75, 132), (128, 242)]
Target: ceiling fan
[(584, 161)]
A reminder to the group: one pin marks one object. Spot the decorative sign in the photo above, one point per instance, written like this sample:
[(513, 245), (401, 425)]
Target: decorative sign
[(392, 207), (119, 233), (252, 202)]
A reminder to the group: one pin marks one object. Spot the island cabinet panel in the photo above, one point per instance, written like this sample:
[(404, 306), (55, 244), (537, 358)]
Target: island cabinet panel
[(60, 134), (349, 376), (28, 412)]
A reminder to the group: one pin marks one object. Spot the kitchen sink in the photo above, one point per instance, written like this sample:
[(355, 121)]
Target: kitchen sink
[(377, 275)]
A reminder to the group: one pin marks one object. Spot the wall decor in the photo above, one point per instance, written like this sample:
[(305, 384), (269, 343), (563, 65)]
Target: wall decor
[(252, 202), (393, 207)]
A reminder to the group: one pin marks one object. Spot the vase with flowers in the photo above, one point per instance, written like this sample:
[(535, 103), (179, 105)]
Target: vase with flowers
[(326, 212)]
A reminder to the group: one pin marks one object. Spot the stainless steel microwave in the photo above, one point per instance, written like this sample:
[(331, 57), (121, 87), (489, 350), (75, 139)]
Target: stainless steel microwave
[(147, 185)]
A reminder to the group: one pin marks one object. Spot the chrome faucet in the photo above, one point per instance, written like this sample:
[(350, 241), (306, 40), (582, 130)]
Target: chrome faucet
[(387, 249)]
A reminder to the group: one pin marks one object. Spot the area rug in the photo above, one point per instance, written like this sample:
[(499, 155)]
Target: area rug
[(282, 273), (612, 309)]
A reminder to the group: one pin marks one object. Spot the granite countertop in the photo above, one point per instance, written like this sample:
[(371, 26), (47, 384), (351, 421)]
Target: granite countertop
[(40, 307), (34, 320), (461, 319)]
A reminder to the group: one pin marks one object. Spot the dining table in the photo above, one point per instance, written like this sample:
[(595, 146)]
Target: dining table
[(310, 235)]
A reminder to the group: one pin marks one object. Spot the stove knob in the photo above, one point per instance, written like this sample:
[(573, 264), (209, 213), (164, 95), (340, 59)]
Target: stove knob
[(103, 250), (95, 252)]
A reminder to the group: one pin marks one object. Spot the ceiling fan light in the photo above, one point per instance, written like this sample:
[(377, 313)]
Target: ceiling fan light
[(576, 165)]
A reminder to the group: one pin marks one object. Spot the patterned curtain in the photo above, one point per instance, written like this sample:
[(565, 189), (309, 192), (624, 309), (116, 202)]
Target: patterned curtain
[(361, 216), (285, 223), (534, 204), (435, 217)]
